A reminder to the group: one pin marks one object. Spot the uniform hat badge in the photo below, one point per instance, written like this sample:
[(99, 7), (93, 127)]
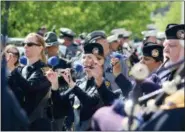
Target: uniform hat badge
[(180, 34), (155, 53), (95, 51)]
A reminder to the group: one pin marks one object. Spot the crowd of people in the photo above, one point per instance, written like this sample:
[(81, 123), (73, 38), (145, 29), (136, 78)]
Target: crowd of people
[(100, 83)]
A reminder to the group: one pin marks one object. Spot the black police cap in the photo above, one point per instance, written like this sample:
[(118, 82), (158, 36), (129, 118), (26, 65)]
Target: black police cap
[(93, 36), (66, 32), (175, 31), (153, 50), (93, 48), (51, 39)]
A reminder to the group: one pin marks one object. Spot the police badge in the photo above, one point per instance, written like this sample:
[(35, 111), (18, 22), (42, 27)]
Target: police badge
[(155, 53), (107, 84), (180, 34), (95, 51)]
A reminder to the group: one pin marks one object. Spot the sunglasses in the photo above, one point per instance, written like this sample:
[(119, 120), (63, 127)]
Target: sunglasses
[(30, 44)]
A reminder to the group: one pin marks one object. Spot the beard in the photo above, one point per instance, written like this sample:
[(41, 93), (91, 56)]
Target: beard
[(177, 59)]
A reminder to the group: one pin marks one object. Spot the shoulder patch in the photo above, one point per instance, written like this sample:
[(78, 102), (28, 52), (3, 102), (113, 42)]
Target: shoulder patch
[(107, 83)]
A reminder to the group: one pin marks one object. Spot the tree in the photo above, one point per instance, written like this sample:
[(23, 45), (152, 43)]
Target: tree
[(172, 16), (80, 16)]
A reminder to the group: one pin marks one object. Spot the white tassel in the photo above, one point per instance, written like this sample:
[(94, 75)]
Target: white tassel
[(169, 87), (151, 107), (139, 71), (177, 79)]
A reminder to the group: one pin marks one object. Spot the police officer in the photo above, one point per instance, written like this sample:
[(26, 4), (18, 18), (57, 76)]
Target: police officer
[(68, 36), (152, 56), (32, 81), (55, 105), (100, 37), (173, 49), (173, 52), (52, 47), (170, 106), (88, 92), (86, 99), (96, 49)]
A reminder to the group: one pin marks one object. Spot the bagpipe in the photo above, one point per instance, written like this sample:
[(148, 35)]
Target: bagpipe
[(170, 89)]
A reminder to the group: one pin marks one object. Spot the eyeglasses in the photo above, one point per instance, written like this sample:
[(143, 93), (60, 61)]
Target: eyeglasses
[(30, 44)]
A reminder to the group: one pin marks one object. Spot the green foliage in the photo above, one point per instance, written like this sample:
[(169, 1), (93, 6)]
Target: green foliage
[(80, 16), (172, 16)]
